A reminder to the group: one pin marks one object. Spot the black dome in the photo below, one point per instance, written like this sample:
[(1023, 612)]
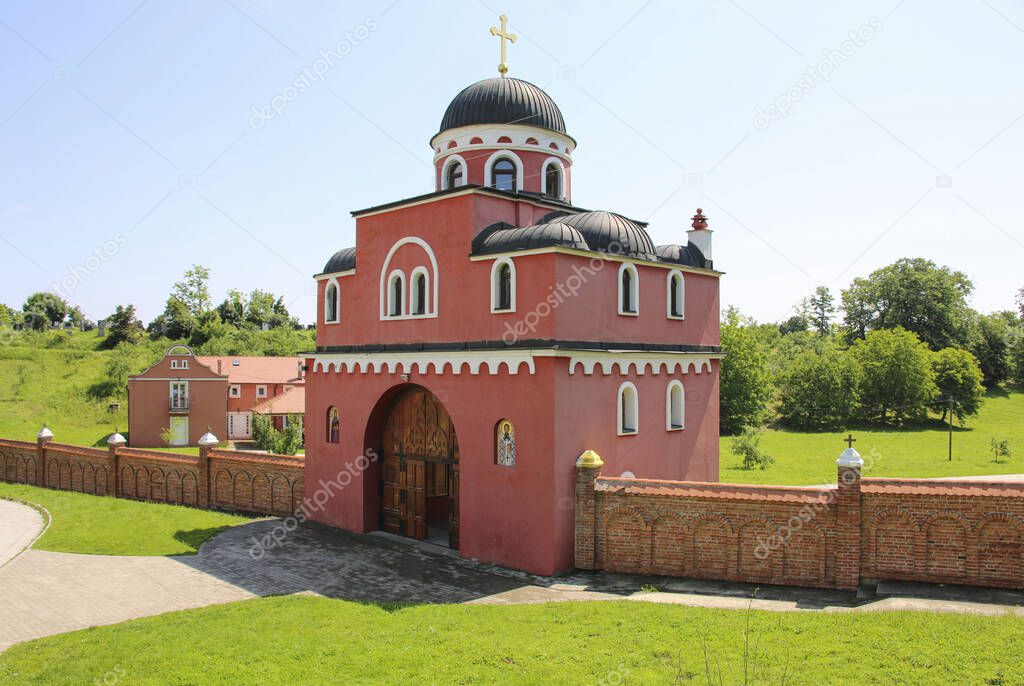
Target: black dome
[(341, 261), (503, 101), (612, 233), (502, 237), (688, 255)]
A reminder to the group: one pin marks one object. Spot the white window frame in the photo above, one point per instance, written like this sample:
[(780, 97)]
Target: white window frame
[(452, 160), (384, 279), (670, 409), (183, 396), (544, 178), (427, 310), (261, 391), (234, 391), (489, 167), (184, 364), (680, 294), (635, 290), (495, 291), (623, 428), (174, 364), (403, 309), (333, 283)]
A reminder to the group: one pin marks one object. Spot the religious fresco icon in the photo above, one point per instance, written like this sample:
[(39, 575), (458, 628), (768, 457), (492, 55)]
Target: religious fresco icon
[(506, 444)]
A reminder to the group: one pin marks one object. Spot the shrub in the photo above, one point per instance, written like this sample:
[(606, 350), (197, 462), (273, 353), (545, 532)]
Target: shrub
[(819, 390), (897, 381), (748, 446), (958, 377), (745, 383), (1000, 450)]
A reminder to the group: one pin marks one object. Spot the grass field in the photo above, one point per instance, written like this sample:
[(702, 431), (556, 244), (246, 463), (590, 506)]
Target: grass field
[(113, 526), (304, 640), (809, 458)]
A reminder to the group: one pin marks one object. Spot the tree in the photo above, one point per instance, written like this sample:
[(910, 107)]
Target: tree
[(745, 384), (821, 308), (914, 294), (232, 310), (193, 291), (958, 378), (177, 321), (44, 308), (794, 324), (122, 361), (6, 316), (897, 381), (1020, 303), (990, 344), (123, 327), (819, 390)]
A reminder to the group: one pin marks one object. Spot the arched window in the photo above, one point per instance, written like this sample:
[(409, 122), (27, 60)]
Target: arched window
[(420, 291), (676, 295), (396, 288), (454, 173), (629, 290), (553, 179), (503, 175), (675, 413), (333, 425), (627, 409), (503, 286), (331, 302)]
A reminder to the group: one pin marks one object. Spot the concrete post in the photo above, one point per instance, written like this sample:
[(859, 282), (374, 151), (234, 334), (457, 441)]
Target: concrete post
[(588, 468), (207, 442), (848, 520), (42, 438), (115, 441)]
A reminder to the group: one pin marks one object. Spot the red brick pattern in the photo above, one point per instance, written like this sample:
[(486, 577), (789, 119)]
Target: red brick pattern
[(836, 537), (222, 479)]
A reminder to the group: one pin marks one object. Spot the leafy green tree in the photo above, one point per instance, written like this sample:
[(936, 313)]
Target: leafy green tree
[(193, 291), (177, 322), (794, 324), (6, 316), (232, 310), (821, 308), (122, 361), (990, 344), (123, 327), (1020, 303), (819, 390), (897, 381), (748, 446), (745, 384), (44, 308), (958, 378), (1017, 353), (914, 294), (266, 437)]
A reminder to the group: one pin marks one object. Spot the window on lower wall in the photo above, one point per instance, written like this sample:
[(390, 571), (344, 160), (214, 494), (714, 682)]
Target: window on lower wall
[(676, 295), (503, 286), (234, 391), (627, 409), (261, 391), (675, 408), (629, 290)]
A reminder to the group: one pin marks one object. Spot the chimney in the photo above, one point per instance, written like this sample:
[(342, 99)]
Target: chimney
[(700, 234), (218, 366)]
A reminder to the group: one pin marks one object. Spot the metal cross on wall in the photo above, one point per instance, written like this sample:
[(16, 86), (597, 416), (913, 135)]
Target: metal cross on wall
[(503, 35)]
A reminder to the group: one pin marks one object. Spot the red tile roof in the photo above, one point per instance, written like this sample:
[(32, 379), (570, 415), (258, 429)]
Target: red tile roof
[(261, 370), (995, 489), (292, 401), (698, 489)]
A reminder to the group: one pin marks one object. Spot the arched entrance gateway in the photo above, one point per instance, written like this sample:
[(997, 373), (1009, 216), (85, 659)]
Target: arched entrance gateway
[(419, 475)]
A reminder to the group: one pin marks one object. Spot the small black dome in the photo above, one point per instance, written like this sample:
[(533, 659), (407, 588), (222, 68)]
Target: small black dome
[(502, 237), (688, 255), (341, 261), (503, 101), (612, 233)]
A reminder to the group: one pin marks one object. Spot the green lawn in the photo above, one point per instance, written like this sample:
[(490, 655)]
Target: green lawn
[(114, 526), (809, 458), (305, 640)]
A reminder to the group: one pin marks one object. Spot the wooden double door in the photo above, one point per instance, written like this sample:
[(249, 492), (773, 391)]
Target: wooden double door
[(419, 485)]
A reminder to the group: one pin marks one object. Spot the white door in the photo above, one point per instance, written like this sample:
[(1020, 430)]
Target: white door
[(179, 431), (239, 425)]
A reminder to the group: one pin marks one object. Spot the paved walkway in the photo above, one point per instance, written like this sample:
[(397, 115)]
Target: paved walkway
[(19, 526), (44, 593)]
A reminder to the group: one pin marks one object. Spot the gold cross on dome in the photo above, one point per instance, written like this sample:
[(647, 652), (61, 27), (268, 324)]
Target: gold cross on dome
[(503, 35)]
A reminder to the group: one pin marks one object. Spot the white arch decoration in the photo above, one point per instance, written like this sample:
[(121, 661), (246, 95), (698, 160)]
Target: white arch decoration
[(427, 306), (562, 194), (675, 406), (627, 409), (680, 294), (656, 365), (489, 182), (634, 290), (415, 240), (425, 363), (449, 161), (512, 284), (333, 283)]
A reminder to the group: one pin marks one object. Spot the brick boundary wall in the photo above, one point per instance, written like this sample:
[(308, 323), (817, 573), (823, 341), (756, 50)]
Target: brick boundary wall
[(222, 479), (837, 537)]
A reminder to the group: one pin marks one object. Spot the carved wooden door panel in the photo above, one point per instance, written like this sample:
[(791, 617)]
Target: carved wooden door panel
[(414, 501)]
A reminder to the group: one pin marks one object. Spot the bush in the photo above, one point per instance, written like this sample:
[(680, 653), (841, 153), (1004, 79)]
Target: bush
[(897, 381), (748, 446), (1000, 450), (266, 437), (745, 382), (958, 377)]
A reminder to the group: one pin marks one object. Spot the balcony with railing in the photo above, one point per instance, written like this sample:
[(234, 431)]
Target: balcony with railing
[(178, 405)]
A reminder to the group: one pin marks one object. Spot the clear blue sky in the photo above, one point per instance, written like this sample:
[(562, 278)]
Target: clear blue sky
[(126, 128)]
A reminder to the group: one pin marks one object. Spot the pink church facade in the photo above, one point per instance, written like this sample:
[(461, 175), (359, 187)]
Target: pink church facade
[(478, 339)]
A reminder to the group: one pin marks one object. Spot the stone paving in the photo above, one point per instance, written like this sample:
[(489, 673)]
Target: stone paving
[(19, 526), (44, 593)]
